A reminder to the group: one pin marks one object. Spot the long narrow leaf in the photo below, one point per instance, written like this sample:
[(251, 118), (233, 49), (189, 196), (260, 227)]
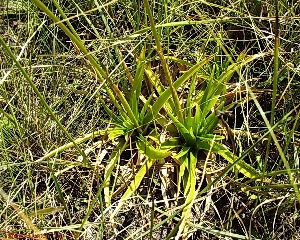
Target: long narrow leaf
[(159, 87), (113, 159), (147, 149), (137, 84), (186, 213), (134, 185), (182, 168), (71, 144), (167, 93), (242, 166), (101, 73), (180, 24), (164, 63), (189, 137), (48, 108)]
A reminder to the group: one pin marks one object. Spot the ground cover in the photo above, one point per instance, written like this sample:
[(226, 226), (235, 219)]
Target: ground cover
[(165, 120)]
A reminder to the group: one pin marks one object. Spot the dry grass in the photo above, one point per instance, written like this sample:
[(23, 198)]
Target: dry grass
[(57, 194)]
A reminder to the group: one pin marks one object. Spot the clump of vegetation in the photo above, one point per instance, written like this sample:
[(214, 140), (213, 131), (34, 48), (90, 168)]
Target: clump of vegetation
[(164, 120)]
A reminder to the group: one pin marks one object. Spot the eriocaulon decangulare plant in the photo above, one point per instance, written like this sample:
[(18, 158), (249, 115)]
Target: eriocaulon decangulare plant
[(189, 127)]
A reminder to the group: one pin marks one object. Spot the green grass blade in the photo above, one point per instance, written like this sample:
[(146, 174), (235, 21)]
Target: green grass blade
[(217, 148), (180, 24), (137, 84), (275, 80), (48, 108), (113, 159), (60, 194), (281, 153), (133, 185), (61, 12), (71, 144), (187, 210), (167, 93), (147, 149), (101, 73), (164, 63)]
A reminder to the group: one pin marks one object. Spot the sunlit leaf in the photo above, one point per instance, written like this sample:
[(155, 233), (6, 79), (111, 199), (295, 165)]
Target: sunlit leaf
[(44, 211), (137, 84), (189, 122), (167, 93), (115, 132), (144, 109), (182, 168), (242, 166), (170, 144), (210, 137), (178, 60), (190, 139), (158, 86), (148, 150), (191, 193), (113, 159), (134, 184)]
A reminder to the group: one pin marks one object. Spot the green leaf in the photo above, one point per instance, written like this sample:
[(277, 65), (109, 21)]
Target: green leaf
[(137, 84), (189, 102), (167, 93), (178, 60), (148, 150), (197, 119), (183, 152), (182, 167), (45, 211), (134, 185), (217, 148), (154, 80), (215, 88), (212, 120), (189, 122), (144, 109), (190, 138), (115, 132), (170, 144), (190, 191), (192, 163), (158, 86), (210, 137), (128, 124), (113, 159)]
